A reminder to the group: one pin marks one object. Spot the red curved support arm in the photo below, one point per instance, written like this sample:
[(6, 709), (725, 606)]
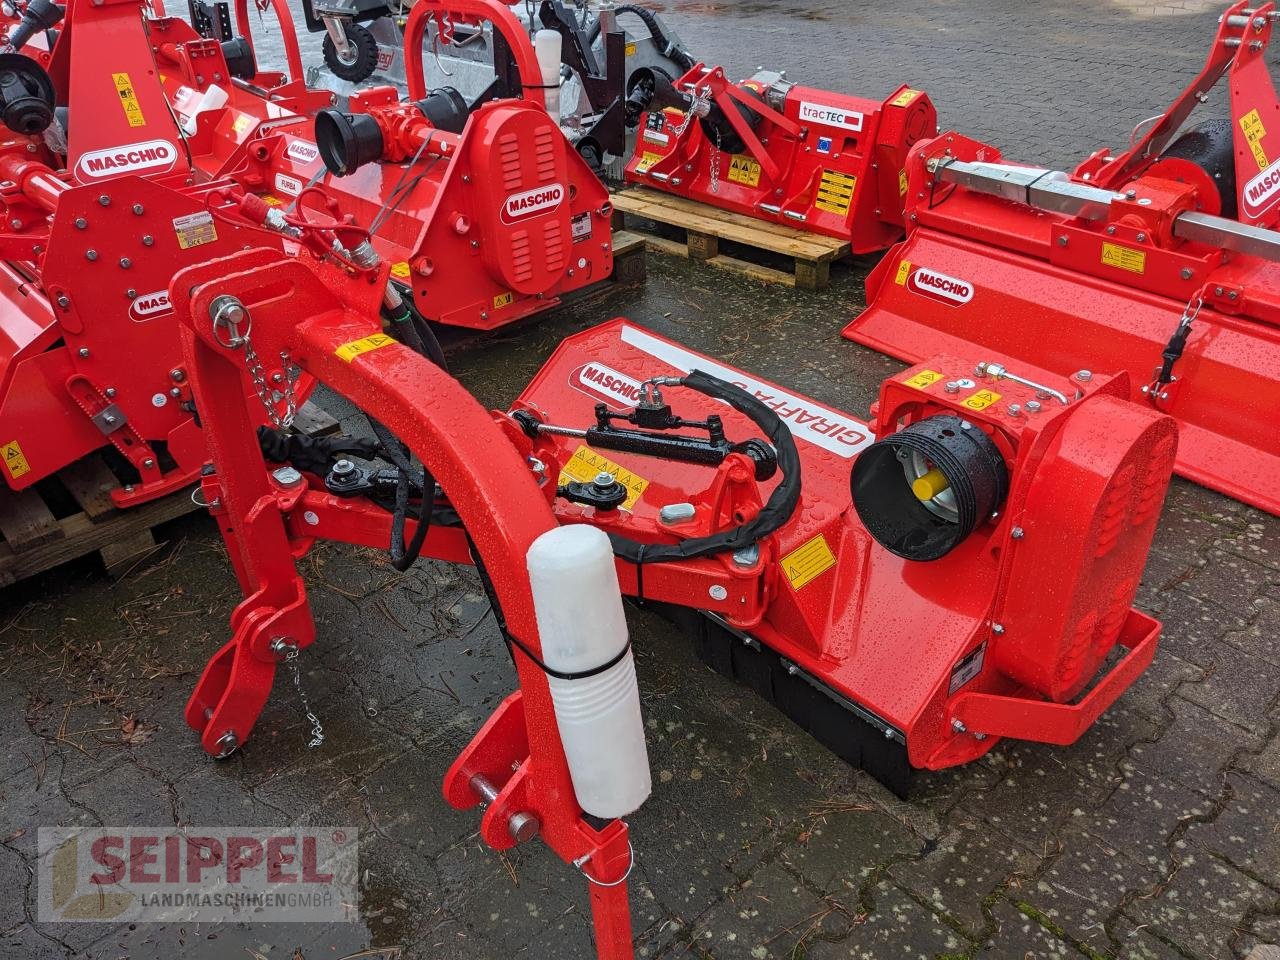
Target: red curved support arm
[(500, 15), (288, 34)]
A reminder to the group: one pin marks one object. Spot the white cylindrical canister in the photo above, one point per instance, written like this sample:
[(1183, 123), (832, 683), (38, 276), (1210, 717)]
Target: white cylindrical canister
[(547, 44), (582, 626)]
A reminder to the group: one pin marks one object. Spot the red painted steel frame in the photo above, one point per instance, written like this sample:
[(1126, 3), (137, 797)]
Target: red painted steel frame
[(1066, 293), (503, 20), (488, 484), (1087, 481), (838, 177)]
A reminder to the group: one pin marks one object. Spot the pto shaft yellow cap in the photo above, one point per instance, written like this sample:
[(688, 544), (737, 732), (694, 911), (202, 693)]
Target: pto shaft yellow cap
[(930, 485)]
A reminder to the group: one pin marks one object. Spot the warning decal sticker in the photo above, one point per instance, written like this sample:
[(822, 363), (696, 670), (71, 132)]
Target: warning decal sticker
[(129, 100), (15, 463), (744, 170), (905, 97), (503, 300), (1253, 130), (349, 351), (904, 271), (586, 464), (400, 270), (807, 562), (1124, 258), (925, 378), (647, 160), (981, 400), (835, 192)]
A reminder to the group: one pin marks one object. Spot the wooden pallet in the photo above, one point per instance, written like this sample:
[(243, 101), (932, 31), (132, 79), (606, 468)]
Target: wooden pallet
[(72, 514), (705, 226)]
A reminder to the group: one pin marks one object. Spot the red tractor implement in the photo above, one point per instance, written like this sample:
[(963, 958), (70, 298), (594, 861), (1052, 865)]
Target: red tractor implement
[(888, 594), (90, 356), (485, 222), (1163, 262), (487, 212), (805, 158)]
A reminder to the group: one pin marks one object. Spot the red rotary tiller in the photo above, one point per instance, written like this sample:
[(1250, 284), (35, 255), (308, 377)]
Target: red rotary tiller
[(485, 210), (1162, 261), (806, 158)]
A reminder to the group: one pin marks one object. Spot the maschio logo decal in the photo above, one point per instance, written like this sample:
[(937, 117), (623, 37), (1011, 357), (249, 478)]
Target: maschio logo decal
[(521, 205), (1262, 192), (302, 151), (153, 155), (830, 116), (605, 383), (150, 305), (939, 286)]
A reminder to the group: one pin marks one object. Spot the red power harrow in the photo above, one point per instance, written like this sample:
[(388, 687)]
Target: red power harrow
[(1162, 261), (484, 209), (887, 595), (806, 158)]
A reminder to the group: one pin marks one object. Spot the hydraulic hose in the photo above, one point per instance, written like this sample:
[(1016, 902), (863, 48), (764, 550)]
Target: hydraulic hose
[(776, 511), (417, 335), (671, 50)]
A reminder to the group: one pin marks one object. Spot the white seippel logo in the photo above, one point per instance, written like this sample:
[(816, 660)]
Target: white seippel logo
[(941, 287), (1261, 193), (830, 116), (131, 158), (607, 384), (302, 151), (149, 305), (521, 205)]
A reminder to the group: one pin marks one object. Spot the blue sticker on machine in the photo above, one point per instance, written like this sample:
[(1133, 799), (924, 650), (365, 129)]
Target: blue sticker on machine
[(824, 144)]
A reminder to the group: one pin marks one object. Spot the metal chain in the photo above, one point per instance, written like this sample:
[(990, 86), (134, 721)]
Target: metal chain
[(701, 96), (317, 731), (715, 163), (271, 398)]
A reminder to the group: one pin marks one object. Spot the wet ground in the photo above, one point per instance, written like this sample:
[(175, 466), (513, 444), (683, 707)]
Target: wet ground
[(1156, 836)]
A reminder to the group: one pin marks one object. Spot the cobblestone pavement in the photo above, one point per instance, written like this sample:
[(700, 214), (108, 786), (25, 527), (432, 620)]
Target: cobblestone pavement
[(1156, 836)]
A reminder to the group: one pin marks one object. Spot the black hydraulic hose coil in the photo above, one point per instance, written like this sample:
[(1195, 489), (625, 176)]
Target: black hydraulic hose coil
[(915, 529), (776, 511), (678, 54)]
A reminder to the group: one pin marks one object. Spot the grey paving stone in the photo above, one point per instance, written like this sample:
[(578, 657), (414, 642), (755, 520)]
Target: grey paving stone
[(897, 927), (963, 868), (1203, 907), (1244, 832), (1190, 749)]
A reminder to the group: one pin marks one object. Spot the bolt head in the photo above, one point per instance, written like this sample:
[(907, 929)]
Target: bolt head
[(110, 392), (104, 200), (64, 301), (125, 263), (176, 374), (1084, 376), (83, 353), (997, 628), (137, 209), (81, 223), (149, 463), (91, 255), (148, 240), (1017, 533), (1187, 273)]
